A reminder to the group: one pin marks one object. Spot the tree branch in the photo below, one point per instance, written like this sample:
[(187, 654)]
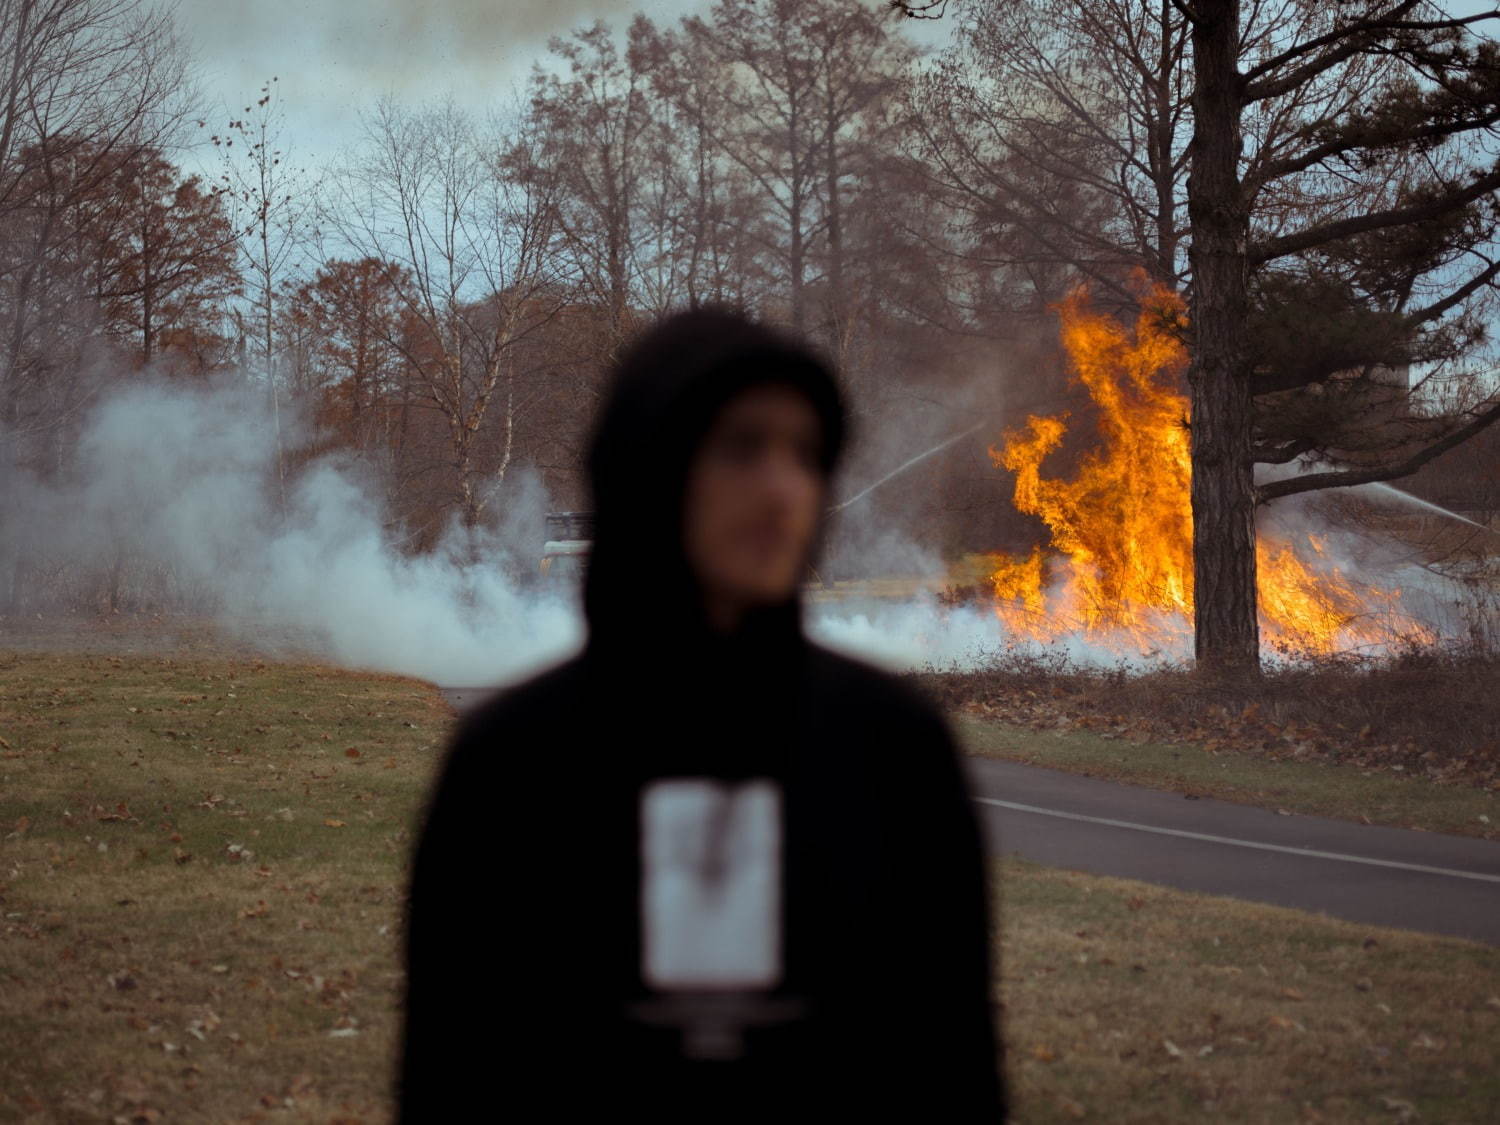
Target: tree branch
[(1349, 43), (1284, 453), (1344, 478), (1458, 296), (928, 10), (1434, 130), (1262, 252), (1187, 10)]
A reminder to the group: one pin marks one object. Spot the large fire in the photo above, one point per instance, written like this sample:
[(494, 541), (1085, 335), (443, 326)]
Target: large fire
[(1119, 567)]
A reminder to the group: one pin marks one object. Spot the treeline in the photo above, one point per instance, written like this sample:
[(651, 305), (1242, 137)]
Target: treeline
[(443, 302)]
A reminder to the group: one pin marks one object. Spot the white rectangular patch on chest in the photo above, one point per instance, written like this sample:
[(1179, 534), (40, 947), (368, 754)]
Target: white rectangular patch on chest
[(711, 884)]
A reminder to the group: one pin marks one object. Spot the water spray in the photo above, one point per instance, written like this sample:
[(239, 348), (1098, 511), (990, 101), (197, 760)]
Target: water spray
[(1417, 501), (920, 457)]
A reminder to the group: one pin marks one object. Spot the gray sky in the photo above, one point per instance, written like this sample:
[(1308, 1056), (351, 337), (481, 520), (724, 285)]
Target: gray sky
[(334, 58)]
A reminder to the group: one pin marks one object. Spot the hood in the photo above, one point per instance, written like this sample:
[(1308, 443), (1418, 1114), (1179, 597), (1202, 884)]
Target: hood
[(663, 394)]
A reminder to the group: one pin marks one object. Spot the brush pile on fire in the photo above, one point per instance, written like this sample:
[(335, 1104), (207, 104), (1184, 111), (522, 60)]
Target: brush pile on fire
[(1117, 571)]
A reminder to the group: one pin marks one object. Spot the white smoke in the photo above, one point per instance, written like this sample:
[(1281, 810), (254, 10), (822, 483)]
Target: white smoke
[(1430, 601), (186, 481), (904, 635), (920, 632), (923, 634)]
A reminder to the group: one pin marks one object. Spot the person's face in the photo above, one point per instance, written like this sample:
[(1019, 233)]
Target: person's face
[(754, 493)]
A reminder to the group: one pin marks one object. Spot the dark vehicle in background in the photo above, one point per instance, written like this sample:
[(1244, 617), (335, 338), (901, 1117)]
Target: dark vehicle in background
[(566, 551)]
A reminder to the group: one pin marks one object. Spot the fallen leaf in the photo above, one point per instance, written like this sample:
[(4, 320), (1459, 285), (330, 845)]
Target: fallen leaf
[(351, 753), (333, 824), (1042, 1053), (1070, 1107), (302, 1084), (1172, 1048), (1403, 1109), (129, 1087), (1292, 994)]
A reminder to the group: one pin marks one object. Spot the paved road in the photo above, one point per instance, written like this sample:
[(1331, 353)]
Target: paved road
[(1384, 876)]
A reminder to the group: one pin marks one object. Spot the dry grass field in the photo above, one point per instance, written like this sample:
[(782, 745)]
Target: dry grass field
[(201, 874), (202, 863), (1131, 1003), (1411, 741)]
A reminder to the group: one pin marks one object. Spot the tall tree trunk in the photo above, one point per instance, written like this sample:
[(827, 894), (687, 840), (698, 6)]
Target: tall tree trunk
[(1163, 176), (116, 585), (469, 501), (796, 263), (148, 304), (266, 268), (1226, 634), (838, 298)]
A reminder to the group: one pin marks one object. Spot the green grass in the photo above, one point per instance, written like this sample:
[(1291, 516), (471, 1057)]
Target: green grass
[(1126, 1002), (201, 871), (151, 969), (1319, 789)]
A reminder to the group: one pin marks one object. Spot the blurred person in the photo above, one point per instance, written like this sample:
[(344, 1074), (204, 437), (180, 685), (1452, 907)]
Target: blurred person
[(706, 870)]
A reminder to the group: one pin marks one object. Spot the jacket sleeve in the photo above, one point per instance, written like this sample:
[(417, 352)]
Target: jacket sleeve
[(939, 905), (442, 1051)]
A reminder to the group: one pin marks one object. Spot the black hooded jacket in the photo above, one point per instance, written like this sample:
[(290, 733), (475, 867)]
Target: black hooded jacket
[(524, 947)]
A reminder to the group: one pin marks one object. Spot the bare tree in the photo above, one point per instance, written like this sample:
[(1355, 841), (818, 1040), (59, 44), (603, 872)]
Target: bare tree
[(712, 210), (1336, 221), (796, 80), (159, 255), (1058, 134), (1435, 86), (597, 149), (272, 205), (475, 248), (83, 85)]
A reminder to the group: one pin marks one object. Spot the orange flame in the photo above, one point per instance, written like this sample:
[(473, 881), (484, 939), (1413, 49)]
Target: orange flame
[(1119, 567)]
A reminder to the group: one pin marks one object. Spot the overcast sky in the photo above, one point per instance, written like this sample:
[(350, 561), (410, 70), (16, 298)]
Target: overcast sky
[(334, 58)]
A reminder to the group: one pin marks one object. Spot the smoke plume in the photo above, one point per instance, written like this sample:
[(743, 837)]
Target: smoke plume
[(183, 483)]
